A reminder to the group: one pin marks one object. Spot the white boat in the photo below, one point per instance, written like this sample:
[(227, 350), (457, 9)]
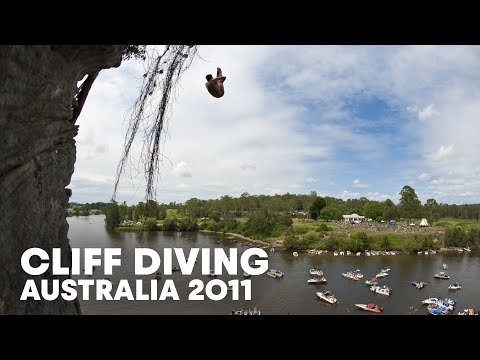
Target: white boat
[(349, 253), (426, 252), (467, 249), (430, 301), (441, 275), (272, 249), (445, 267), (278, 273), (272, 274), (295, 253), (335, 253), (381, 274), (419, 285), (455, 286), (317, 280), (370, 307), (358, 274), (351, 275), (385, 270), (368, 253), (432, 252), (419, 252), (328, 297), (342, 253), (372, 281), (468, 312), (383, 290), (358, 253), (316, 272)]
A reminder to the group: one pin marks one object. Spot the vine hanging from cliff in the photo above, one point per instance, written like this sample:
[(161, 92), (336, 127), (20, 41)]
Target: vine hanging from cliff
[(151, 111)]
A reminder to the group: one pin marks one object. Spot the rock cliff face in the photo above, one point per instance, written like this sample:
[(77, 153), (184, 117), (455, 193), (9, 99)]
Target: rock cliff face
[(37, 156)]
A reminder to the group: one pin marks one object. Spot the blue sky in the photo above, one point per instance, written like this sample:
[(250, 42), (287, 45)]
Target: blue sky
[(345, 121)]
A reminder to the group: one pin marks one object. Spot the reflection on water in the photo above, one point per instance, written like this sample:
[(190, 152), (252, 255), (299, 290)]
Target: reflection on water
[(289, 295)]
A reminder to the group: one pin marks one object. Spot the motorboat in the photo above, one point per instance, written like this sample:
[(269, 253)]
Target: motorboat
[(276, 273), (372, 281), (358, 253), (351, 275), (335, 253), (419, 285), (370, 307), (385, 270), (468, 312), (316, 272), (426, 252), (246, 275), (317, 280), (381, 274), (349, 253), (419, 252), (441, 275), (445, 267), (272, 249), (342, 253), (467, 249), (328, 297), (295, 253), (430, 301), (437, 309), (383, 290), (432, 252), (368, 253), (358, 274), (272, 274), (455, 286)]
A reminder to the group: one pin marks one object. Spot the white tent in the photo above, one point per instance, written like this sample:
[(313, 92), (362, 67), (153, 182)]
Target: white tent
[(424, 222)]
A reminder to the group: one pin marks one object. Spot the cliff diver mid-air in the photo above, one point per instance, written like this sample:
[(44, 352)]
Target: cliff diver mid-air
[(215, 86)]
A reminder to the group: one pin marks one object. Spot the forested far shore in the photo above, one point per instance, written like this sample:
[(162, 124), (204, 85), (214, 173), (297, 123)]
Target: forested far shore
[(292, 220)]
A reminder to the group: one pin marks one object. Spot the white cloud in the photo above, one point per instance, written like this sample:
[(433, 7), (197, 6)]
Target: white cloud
[(182, 170), (248, 166), (310, 180), (357, 184), (443, 152), (423, 177), (427, 112)]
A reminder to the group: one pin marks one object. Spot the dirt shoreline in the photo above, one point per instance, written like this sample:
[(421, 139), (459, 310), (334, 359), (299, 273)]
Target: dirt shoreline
[(237, 236)]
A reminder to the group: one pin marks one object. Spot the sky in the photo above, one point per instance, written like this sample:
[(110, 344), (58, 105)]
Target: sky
[(344, 121)]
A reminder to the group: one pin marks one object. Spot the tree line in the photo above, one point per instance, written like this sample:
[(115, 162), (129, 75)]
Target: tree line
[(309, 206)]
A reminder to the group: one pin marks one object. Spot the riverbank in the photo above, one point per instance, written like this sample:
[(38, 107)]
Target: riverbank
[(237, 236)]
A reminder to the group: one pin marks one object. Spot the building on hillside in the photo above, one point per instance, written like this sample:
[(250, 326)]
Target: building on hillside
[(353, 218)]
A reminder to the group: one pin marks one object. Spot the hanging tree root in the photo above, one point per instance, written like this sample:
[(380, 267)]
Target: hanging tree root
[(150, 111)]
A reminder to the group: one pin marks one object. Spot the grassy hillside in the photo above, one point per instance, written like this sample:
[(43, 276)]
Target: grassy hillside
[(461, 223)]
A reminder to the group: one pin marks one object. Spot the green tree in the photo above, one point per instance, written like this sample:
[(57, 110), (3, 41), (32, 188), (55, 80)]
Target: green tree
[(390, 210), (140, 210), (431, 208), (285, 220), (169, 224), (318, 204), (151, 224), (261, 222), (330, 212), (373, 209), (122, 210), (409, 204), (112, 217)]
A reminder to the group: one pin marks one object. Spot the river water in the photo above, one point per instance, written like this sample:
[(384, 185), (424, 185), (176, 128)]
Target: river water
[(289, 295)]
